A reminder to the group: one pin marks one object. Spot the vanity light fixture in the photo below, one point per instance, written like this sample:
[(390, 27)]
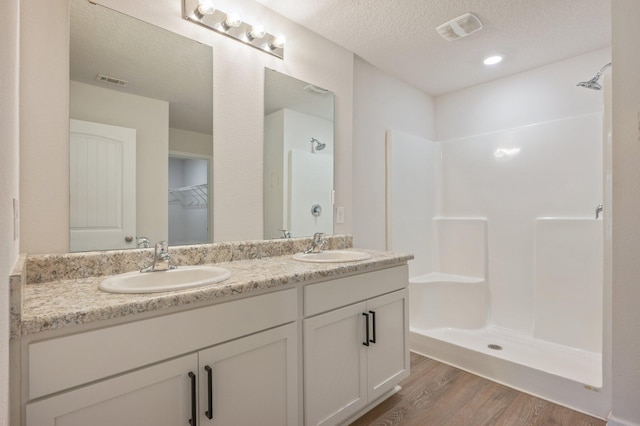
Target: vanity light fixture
[(277, 42), (257, 31), (203, 12), (233, 20), (205, 7)]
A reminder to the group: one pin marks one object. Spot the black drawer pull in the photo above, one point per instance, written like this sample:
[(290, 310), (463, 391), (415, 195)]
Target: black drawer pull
[(373, 328), (366, 340), (194, 411), (209, 412)]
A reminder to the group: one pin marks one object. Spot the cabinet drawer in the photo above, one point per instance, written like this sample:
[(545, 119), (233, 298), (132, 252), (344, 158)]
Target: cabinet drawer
[(333, 294), (64, 362)]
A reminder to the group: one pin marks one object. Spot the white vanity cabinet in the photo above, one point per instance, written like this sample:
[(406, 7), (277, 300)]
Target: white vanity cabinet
[(354, 354), (251, 381), (233, 363), (157, 395), (216, 377)]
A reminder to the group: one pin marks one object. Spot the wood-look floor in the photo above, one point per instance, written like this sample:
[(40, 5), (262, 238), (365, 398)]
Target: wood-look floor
[(440, 395)]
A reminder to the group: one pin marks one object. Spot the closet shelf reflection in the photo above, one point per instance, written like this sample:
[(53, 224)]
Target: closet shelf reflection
[(190, 197)]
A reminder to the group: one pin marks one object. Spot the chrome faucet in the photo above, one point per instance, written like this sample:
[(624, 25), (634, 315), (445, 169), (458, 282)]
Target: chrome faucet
[(598, 210), (161, 259), (317, 244), (143, 242), (285, 233)]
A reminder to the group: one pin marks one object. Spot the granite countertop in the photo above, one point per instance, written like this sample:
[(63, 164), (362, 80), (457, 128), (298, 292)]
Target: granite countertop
[(65, 303)]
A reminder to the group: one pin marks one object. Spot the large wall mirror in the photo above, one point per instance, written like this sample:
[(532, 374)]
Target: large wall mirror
[(298, 157), (141, 145)]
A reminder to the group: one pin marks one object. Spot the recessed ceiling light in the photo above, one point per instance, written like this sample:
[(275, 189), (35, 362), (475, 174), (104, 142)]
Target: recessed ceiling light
[(492, 60)]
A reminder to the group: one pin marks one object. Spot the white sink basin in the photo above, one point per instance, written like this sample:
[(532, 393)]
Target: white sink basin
[(329, 256), (174, 279)]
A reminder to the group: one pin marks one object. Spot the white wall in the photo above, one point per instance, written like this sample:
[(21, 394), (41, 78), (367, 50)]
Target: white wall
[(536, 96), (44, 126), (626, 211), (238, 113), (191, 142), (381, 102), (150, 118), (9, 178)]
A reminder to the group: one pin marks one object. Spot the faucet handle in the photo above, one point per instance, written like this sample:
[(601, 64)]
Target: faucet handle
[(142, 242), (162, 250), (318, 237), (285, 233)]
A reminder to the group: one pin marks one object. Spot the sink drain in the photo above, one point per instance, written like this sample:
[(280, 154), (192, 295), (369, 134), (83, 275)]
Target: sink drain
[(494, 347)]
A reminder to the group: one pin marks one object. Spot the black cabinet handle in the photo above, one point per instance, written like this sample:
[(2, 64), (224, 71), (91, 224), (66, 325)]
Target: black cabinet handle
[(194, 411), (373, 322), (366, 319), (209, 412)]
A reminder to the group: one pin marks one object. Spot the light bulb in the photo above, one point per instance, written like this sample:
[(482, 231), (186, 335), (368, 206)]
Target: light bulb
[(257, 31), (278, 42), (232, 20), (206, 7), (492, 60)]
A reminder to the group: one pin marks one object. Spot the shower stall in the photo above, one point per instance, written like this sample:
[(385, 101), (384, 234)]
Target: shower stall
[(511, 243)]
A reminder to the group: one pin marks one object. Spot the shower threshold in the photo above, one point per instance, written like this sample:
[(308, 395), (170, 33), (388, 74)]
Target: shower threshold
[(567, 376)]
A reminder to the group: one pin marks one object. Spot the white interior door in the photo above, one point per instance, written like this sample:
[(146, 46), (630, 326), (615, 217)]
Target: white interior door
[(102, 192)]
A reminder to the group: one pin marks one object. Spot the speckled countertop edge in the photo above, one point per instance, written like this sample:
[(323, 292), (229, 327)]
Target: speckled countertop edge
[(65, 303)]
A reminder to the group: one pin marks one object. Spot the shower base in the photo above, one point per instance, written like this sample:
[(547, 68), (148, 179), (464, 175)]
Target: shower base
[(564, 375)]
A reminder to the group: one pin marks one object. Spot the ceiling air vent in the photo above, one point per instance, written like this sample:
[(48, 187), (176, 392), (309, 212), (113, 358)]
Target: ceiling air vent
[(460, 27), (112, 80)]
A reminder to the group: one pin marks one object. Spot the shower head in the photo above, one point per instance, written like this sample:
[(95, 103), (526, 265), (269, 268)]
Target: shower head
[(593, 83), (319, 145)]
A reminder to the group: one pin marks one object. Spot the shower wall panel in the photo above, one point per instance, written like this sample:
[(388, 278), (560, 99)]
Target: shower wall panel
[(568, 282), (512, 177), (413, 171)]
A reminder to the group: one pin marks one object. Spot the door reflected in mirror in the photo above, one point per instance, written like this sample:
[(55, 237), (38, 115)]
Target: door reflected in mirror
[(128, 74), (298, 157)]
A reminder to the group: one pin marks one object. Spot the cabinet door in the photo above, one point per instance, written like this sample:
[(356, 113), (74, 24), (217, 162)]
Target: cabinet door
[(388, 357), (251, 381), (335, 381), (154, 396)]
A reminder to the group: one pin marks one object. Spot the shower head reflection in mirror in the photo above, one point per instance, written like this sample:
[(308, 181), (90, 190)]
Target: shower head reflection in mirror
[(319, 146), (295, 178)]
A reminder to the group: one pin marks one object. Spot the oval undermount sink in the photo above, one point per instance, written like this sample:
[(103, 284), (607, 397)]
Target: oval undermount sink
[(329, 256), (174, 279)]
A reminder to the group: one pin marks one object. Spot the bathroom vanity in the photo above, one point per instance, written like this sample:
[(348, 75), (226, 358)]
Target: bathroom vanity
[(281, 342)]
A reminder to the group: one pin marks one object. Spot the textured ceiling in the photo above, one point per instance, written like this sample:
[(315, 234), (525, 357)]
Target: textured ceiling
[(400, 37)]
